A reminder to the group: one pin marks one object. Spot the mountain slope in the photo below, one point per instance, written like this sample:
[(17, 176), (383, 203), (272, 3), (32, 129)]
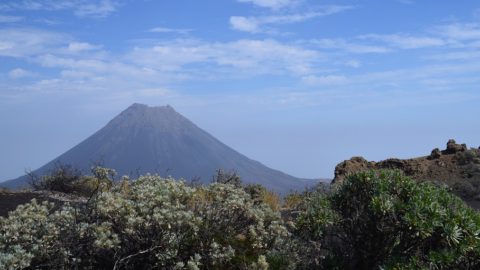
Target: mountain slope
[(145, 139)]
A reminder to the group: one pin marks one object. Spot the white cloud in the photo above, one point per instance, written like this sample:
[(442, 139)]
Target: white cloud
[(254, 24), (31, 42), (460, 32), (81, 8), (101, 9), (353, 63), (300, 17), (170, 30), (244, 56), (82, 46), (10, 19), (403, 41), (341, 44), (324, 80), (244, 24), (76, 74), (151, 69), (457, 55), (5, 45), (85, 73), (273, 4), (47, 21), (374, 43), (19, 73), (25, 42), (397, 78), (83, 64)]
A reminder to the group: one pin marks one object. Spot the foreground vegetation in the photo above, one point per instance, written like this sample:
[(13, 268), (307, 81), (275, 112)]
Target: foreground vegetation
[(371, 220)]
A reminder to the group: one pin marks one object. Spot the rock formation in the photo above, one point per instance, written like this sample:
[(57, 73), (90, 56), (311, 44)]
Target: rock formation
[(456, 166)]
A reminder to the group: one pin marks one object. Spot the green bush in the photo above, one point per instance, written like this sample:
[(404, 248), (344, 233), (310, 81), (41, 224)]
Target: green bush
[(386, 220)]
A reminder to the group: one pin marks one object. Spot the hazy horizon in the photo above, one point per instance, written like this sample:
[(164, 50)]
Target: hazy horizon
[(297, 85)]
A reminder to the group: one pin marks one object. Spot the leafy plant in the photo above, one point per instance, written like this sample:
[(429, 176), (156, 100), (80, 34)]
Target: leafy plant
[(385, 219)]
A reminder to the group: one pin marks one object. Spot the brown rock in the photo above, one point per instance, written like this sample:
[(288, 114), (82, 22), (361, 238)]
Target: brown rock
[(453, 147), (436, 153), (353, 165)]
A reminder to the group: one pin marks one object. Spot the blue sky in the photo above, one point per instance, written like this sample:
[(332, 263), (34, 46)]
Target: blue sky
[(298, 85)]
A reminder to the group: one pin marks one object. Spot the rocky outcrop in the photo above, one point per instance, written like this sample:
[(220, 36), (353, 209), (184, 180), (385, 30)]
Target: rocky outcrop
[(355, 164), (449, 166), (436, 153), (453, 147)]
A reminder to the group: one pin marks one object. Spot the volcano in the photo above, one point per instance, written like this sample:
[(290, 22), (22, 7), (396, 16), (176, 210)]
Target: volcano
[(159, 140)]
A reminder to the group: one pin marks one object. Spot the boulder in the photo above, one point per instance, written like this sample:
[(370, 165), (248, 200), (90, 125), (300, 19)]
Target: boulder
[(453, 147), (350, 166), (435, 154)]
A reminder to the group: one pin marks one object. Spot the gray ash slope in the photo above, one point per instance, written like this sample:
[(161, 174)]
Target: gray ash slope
[(145, 139)]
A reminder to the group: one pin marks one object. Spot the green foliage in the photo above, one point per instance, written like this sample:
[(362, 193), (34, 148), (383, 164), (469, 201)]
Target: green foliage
[(384, 219)]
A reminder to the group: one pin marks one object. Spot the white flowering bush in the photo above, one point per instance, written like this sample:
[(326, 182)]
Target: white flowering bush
[(148, 223), (34, 234)]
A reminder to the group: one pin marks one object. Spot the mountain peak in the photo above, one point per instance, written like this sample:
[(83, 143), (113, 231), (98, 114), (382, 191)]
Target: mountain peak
[(144, 139), (137, 105), (144, 107), (140, 115)]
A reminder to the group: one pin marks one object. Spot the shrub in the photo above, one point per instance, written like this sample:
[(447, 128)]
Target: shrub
[(34, 235), (149, 223), (70, 180), (468, 157), (260, 194), (386, 220), (224, 177), (62, 178), (464, 189), (293, 200), (371, 220)]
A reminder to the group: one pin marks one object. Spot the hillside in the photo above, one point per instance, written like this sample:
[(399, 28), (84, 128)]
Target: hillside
[(145, 139), (456, 166)]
